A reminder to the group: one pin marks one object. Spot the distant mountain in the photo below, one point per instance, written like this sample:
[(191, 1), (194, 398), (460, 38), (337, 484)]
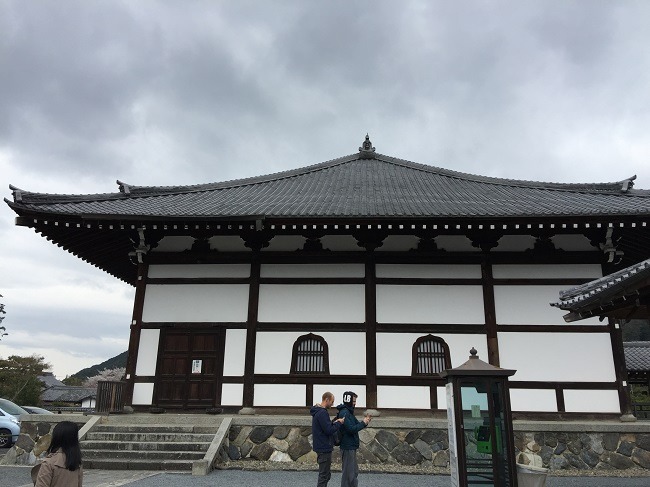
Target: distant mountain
[(111, 363)]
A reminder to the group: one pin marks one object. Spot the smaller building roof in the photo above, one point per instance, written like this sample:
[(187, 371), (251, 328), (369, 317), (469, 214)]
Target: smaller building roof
[(68, 394), (618, 295), (49, 380), (637, 356)]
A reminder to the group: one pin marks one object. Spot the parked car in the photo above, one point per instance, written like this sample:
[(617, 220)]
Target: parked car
[(36, 410), (9, 422)]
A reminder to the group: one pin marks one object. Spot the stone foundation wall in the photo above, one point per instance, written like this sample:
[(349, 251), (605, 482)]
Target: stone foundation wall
[(428, 447), (583, 451)]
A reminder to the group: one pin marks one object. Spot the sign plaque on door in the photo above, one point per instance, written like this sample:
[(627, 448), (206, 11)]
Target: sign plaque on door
[(197, 365)]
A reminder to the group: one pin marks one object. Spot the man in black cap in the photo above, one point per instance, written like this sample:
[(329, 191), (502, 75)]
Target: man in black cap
[(350, 439), (322, 430)]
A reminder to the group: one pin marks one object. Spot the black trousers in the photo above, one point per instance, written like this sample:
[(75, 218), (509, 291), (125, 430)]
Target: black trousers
[(324, 468)]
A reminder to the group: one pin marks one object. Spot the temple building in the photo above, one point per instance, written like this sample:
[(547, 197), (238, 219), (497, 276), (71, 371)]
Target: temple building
[(367, 273)]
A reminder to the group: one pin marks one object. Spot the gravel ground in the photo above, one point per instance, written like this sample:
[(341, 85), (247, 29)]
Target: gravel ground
[(19, 477)]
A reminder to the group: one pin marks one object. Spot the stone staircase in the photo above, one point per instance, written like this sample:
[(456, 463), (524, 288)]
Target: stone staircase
[(148, 442)]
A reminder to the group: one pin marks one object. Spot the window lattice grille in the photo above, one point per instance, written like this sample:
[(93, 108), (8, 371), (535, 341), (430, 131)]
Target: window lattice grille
[(310, 356), (431, 357)]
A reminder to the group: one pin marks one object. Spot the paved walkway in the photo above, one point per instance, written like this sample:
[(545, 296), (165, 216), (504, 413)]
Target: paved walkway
[(19, 477)]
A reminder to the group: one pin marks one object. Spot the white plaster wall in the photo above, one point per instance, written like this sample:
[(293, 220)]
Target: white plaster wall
[(426, 271), (232, 394), (558, 357), (514, 243), (279, 395), (530, 305), (200, 270), (88, 403), (347, 352), (591, 401), (430, 304), (399, 243), (176, 243), (228, 243), (235, 354), (196, 302), (455, 243), (312, 270), (572, 243), (340, 243), (338, 391), (539, 400), (404, 397), (338, 303), (285, 243), (394, 350), (441, 393), (547, 271), (142, 393), (147, 352)]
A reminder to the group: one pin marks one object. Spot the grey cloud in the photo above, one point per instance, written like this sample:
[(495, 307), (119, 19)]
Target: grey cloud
[(65, 322)]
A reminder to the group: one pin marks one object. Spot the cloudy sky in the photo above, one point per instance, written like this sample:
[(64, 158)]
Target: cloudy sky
[(177, 92)]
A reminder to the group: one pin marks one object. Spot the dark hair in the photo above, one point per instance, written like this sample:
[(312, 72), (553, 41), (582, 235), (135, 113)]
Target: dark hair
[(65, 437)]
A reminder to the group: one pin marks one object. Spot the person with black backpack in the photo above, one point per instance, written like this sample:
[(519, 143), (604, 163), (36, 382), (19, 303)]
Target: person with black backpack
[(322, 432), (350, 439)]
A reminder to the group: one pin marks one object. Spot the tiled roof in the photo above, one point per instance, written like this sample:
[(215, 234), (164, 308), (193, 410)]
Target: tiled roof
[(606, 289), (49, 380), (637, 356), (68, 393), (359, 185)]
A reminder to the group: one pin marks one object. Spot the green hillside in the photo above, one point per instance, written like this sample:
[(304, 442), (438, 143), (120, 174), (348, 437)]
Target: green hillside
[(111, 363)]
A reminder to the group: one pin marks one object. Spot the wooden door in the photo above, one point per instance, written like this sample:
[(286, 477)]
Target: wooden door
[(190, 368)]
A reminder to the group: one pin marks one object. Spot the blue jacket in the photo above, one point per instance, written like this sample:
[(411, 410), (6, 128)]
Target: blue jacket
[(322, 429), (351, 428)]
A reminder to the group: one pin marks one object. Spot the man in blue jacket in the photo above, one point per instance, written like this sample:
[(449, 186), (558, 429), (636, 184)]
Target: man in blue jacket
[(322, 430), (350, 439)]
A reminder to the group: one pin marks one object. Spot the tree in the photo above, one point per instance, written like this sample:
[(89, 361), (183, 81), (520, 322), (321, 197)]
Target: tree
[(636, 331), (19, 379), (73, 381), (2, 313), (106, 374)]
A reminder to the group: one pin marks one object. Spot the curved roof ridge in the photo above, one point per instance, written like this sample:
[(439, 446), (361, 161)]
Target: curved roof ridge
[(234, 183), (128, 190), (522, 183), (132, 191)]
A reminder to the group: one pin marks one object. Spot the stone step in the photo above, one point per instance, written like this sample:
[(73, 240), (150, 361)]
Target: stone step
[(155, 428), (151, 437), (142, 455), (122, 464), (145, 445), (166, 419)]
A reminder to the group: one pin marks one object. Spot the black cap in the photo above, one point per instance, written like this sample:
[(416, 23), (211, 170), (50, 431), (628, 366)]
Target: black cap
[(348, 397)]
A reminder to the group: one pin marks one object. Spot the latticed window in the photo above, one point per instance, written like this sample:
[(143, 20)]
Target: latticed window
[(310, 355), (430, 356)]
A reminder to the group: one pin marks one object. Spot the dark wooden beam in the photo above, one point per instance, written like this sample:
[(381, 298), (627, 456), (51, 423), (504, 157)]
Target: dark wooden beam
[(371, 332), (489, 308), (135, 329), (251, 334)]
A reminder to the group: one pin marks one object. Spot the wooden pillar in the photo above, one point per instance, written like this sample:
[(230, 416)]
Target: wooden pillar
[(136, 327), (251, 332), (371, 332), (489, 308), (616, 336)]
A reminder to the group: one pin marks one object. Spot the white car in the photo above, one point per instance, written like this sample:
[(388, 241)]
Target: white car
[(9, 422)]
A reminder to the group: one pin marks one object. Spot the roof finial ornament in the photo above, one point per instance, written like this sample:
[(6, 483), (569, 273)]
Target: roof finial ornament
[(473, 353), (367, 151)]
